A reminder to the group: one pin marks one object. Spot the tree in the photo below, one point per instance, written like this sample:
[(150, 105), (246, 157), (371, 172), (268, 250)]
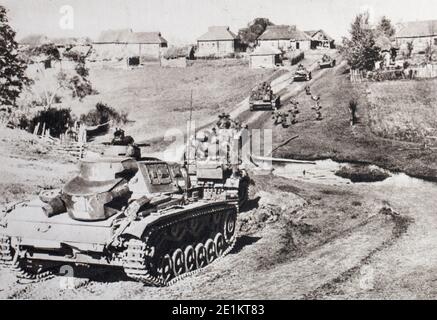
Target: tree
[(12, 67), (360, 50), (385, 27), (254, 29), (75, 80)]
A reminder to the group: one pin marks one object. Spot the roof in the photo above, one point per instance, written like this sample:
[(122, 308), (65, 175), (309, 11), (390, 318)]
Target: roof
[(218, 33), (312, 33), (417, 29), (128, 36), (265, 51), (384, 43), (283, 32), (71, 41), (82, 49), (147, 37), (35, 40)]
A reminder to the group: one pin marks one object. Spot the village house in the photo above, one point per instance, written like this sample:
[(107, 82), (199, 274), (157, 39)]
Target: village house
[(134, 47), (219, 41), (421, 34), (320, 39), (265, 57), (285, 38)]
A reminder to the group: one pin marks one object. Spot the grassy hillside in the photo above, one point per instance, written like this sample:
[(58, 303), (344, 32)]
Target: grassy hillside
[(404, 110), (159, 98), (388, 122)]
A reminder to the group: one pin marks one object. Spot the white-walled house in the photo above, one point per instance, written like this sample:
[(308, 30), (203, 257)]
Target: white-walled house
[(284, 38), (219, 41)]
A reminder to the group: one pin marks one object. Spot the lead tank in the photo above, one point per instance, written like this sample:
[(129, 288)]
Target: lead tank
[(143, 215)]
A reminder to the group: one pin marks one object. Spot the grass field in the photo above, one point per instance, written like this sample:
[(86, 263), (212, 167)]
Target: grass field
[(404, 110)]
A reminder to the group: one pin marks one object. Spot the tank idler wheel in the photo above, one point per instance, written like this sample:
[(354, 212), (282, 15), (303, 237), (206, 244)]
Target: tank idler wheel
[(201, 258), (178, 262), (211, 252), (190, 259), (166, 268), (219, 242)]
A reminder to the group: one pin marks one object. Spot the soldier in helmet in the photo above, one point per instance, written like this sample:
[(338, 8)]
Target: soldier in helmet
[(308, 90), (132, 149), (318, 109), (119, 138), (224, 121)]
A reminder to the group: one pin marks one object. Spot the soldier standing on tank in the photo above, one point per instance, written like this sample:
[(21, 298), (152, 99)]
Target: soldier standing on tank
[(132, 149)]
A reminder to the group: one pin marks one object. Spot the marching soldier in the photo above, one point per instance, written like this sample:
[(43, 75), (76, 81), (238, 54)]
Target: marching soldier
[(308, 90)]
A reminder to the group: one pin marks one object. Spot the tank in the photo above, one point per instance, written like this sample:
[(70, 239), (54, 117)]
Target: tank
[(327, 62), (262, 98), (302, 74), (152, 219)]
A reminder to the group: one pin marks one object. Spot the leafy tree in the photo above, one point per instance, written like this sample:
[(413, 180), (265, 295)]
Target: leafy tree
[(55, 119), (360, 50), (75, 80), (385, 27), (254, 29), (12, 67)]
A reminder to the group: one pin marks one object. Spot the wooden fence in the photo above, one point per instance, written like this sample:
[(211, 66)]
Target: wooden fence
[(73, 141), (358, 76), (420, 72), (427, 71)]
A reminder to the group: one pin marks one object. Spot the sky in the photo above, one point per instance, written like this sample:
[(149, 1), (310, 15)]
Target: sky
[(182, 21)]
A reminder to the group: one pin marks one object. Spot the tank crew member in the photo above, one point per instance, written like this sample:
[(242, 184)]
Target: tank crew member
[(119, 138), (132, 149)]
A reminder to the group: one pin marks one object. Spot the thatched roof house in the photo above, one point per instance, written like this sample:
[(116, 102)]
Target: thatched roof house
[(285, 37), (219, 40), (320, 39), (125, 44), (265, 57), (421, 34), (34, 40)]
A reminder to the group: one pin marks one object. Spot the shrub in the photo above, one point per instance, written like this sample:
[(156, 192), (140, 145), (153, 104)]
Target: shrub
[(57, 120), (102, 114), (295, 59)]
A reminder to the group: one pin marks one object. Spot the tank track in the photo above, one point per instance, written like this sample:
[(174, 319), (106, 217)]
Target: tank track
[(13, 263), (138, 251)]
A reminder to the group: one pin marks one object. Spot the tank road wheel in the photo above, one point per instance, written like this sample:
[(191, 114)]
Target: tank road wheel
[(166, 268), (211, 253), (201, 259), (178, 262), (230, 226), (219, 242), (190, 259)]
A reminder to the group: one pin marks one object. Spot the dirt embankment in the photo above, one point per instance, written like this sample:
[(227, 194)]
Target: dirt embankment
[(28, 165)]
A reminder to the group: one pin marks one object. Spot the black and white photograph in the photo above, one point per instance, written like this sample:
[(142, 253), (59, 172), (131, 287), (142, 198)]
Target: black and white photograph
[(198, 150)]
